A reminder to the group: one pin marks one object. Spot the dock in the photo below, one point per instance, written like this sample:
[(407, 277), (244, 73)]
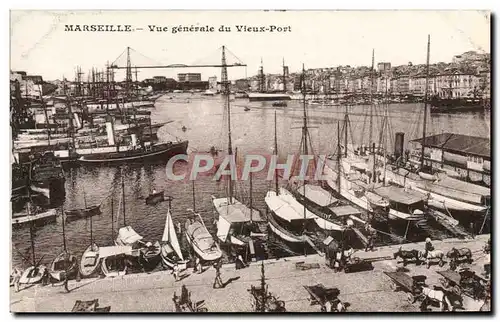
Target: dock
[(133, 293)]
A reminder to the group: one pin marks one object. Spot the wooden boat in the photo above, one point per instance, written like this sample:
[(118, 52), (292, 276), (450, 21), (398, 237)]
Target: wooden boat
[(201, 241), (155, 198), (284, 234), (58, 270), (161, 151), (75, 214), (114, 260), (33, 275), (427, 176), (171, 253), (90, 261), (247, 109), (149, 257), (38, 219)]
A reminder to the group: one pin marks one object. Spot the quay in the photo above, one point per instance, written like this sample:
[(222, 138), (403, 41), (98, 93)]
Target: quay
[(367, 291)]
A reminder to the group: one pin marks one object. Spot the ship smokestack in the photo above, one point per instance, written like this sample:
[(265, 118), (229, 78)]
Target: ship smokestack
[(399, 144)]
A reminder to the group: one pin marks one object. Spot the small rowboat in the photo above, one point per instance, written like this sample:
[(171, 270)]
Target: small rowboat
[(33, 275), (57, 267), (155, 198), (90, 262), (202, 242), (72, 215)]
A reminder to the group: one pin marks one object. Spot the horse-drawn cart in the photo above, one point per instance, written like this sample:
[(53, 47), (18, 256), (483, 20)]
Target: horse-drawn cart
[(407, 283), (465, 282), (323, 296)]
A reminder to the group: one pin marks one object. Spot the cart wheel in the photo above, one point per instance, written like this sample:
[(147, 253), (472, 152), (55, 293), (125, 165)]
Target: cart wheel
[(441, 263), (410, 298), (347, 270), (394, 286)]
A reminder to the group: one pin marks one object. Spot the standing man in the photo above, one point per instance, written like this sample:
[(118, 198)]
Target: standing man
[(218, 281), (175, 272), (372, 234)]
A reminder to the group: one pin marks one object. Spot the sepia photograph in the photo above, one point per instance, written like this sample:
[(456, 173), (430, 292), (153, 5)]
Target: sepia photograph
[(285, 161)]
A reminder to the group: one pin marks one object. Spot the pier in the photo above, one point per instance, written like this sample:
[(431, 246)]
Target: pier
[(367, 291)]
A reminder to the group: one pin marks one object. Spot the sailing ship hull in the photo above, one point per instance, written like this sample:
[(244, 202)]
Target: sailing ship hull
[(72, 215), (161, 152), (58, 271), (90, 261)]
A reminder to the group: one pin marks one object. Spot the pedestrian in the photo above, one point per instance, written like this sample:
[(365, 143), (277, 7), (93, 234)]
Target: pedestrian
[(16, 277), (472, 229), (240, 263), (372, 234), (175, 272), (218, 281)]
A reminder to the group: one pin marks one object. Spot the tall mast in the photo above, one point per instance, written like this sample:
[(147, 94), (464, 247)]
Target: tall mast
[(338, 154), (128, 76), (371, 100), (276, 153), (304, 126), (45, 113), (112, 218), (261, 77), (194, 198), (63, 228), (251, 198), (123, 196), (425, 98), (284, 76), (225, 84)]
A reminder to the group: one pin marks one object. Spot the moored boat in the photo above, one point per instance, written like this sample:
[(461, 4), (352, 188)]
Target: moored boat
[(155, 197), (63, 266), (33, 274), (90, 261), (161, 151), (201, 241), (171, 253), (114, 260), (75, 214), (38, 219)]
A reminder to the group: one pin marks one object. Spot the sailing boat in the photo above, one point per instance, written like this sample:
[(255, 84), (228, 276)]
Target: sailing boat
[(36, 272), (235, 221), (171, 253), (286, 220), (200, 239), (90, 261), (148, 254), (64, 265)]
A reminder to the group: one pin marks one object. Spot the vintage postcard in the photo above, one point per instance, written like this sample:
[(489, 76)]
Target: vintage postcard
[(250, 161)]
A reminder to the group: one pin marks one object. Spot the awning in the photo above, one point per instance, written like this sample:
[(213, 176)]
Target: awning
[(316, 194), (236, 212), (345, 210), (127, 236)]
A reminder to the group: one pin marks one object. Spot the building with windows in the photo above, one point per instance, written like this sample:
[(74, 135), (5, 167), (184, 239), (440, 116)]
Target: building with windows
[(189, 77)]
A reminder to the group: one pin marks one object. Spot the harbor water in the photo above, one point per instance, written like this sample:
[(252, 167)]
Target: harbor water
[(203, 119)]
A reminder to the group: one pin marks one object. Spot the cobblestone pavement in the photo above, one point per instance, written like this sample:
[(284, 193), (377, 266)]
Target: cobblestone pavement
[(365, 291)]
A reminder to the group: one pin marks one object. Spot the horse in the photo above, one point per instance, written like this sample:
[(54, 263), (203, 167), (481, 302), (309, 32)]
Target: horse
[(435, 295), (407, 255), (458, 254), (435, 254)]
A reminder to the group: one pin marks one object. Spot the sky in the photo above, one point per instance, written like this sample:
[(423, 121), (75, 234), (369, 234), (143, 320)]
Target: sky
[(41, 46)]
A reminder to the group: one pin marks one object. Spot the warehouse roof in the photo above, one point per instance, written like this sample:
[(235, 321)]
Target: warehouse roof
[(464, 144)]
